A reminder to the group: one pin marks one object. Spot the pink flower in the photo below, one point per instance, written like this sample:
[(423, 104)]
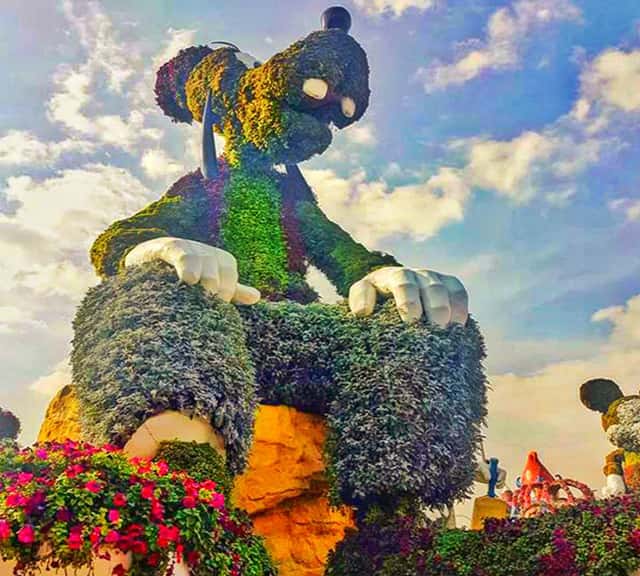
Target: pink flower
[(5, 530), (24, 478), (42, 454), (26, 534), (163, 468), (74, 541), (112, 537), (113, 515), (189, 502), (93, 486), (217, 501)]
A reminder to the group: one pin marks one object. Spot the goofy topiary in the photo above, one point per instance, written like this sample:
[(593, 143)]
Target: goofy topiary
[(400, 379)]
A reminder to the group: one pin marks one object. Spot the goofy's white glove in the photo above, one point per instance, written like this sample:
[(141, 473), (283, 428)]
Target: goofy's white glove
[(416, 291), (195, 262)]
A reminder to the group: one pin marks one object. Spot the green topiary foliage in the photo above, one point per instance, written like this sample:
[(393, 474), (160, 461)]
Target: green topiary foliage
[(333, 250), (144, 343), (9, 425), (250, 229), (405, 402), (180, 212), (201, 461), (265, 116)]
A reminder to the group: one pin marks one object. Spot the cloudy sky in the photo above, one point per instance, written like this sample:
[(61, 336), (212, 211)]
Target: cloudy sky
[(501, 144)]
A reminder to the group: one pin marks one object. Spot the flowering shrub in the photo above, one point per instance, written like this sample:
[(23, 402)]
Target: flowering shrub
[(9, 425), (62, 503), (590, 539)]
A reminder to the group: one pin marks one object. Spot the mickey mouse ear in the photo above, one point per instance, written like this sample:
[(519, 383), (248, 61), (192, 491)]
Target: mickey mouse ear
[(598, 394), (336, 17)]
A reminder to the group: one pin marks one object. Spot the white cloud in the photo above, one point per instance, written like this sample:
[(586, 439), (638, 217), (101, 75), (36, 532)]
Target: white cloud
[(21, 148), (108, 57), (361, 134), (59, 377), (508, 30), (14, 319), (158, 165), (372, 211), (628, 206), (72, 207), (395, 7), (179, 38), (609, 86), (520, 168)]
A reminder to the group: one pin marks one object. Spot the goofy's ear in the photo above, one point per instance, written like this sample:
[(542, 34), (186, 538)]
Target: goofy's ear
[(598, 394)]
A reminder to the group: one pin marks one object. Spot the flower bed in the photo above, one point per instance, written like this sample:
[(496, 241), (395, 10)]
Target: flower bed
[(599, 538), (62, 505)]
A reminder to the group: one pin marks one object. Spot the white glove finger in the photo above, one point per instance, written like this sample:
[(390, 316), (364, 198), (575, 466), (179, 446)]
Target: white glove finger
[(227, 275), (245, 295), (362, 298), (458, 299), (188, 267), (210, 279), (435, 300), (406, 293)]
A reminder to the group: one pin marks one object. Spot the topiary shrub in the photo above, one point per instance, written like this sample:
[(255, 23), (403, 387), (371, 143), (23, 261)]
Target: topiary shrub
[(9, 425), (201, 461), (144, 343)]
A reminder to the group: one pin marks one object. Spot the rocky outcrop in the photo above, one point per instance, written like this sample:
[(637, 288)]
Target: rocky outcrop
[(62, 420), (284, 488)]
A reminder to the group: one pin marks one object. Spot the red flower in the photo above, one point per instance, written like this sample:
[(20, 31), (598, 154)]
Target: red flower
[(157, 510), (120, 500), (140, 547), (93, 486), (113, 515), (5, 530), (189, 502), (167, 534), (26, 534), (147, 491), (94, 537), (24, 478)]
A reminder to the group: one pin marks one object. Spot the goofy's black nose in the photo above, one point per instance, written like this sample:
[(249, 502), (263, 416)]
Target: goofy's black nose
[(336, 17)]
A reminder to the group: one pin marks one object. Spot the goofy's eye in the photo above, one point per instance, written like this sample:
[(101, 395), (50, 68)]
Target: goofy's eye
[(348, 107), (315, 88)]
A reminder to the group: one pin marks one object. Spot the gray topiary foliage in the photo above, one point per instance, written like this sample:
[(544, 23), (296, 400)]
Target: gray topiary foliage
[(404, 401), (144, 343)]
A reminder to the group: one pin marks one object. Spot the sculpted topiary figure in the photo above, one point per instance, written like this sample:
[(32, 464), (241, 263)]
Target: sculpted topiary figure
[(401, 381)]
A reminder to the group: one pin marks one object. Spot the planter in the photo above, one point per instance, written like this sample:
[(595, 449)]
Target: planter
[(101, 567)]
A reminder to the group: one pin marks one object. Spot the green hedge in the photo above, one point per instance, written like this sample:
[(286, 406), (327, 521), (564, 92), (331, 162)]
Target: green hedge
[(200, 461), (404, 401), (145, 343)]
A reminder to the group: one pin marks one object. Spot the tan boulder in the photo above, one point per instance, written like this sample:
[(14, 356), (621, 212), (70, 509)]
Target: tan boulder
[(284, 487)]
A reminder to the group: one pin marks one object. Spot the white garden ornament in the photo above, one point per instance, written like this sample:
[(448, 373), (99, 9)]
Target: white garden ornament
[(171, 426), (417, 291)]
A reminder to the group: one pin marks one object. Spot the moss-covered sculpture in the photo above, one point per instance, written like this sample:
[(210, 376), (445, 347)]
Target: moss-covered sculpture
[(621, 422), (404, 400)]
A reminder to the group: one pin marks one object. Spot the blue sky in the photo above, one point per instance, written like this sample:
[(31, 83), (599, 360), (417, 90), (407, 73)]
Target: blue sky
[(501, 144)]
